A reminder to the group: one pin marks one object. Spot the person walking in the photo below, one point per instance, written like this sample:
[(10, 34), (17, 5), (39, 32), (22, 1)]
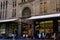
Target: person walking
[(13, 36), (43, 35)]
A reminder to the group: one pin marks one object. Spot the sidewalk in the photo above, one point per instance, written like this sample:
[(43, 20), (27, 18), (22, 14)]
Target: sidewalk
[(15, 39), (25, 39)]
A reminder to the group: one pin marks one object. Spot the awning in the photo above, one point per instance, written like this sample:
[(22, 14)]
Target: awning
[(44, 16), (8, 20)]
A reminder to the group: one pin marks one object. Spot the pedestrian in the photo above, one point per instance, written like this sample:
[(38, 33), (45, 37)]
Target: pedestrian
[(39, 35), (27, 36), (43, 35), (13, 36)]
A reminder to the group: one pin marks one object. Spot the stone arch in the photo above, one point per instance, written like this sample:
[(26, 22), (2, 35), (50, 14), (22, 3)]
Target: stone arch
[(26, 13)]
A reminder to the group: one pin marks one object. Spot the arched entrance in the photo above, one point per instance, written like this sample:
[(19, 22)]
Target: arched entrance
[(26, 12), (26, 27)]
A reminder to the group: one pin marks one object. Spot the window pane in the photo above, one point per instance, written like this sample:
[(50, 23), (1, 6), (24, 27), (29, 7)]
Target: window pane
[(48, 24), (58, 25), (42, 24), (14, 13), (2, 28)]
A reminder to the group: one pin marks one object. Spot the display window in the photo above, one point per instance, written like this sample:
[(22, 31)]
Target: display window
[(45, 27), (58, 28), (58, 25), (12, 29), (2, 28)]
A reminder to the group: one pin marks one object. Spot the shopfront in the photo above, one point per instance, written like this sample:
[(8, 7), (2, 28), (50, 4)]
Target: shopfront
[(2, 30), (46, 26), (26, 30), (7, 28)]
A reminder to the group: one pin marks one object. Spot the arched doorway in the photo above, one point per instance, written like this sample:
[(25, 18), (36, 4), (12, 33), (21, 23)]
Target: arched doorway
[(26, 27), (26, 12)]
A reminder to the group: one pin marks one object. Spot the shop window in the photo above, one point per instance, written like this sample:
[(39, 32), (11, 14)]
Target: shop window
[(12, 29), (49, 26), (44, 27), (58, 25), (41, 24), (58, 28), (2, 28)]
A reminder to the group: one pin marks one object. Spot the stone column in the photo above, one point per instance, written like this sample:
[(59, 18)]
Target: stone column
[(32, 26), (19, 29), (6, 29), (55, 27)]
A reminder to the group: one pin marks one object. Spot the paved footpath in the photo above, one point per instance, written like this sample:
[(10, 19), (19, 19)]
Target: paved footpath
[(26, 39)]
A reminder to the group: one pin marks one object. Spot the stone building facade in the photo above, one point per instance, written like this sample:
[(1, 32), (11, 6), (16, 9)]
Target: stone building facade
[(37, 7), (23, 9)]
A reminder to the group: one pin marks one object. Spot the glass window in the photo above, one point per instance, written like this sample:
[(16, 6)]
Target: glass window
[(1, 5), (12, 28), (58, 10), (14, 3), (44, 27), (59, 28), (48, 24), (41, 24), (14, 13), (58, 25), (58, 6), (2, 28), (24, 0)]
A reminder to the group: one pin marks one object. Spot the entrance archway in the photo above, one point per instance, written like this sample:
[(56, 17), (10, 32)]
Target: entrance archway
[(26, 12), (26, 28)]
